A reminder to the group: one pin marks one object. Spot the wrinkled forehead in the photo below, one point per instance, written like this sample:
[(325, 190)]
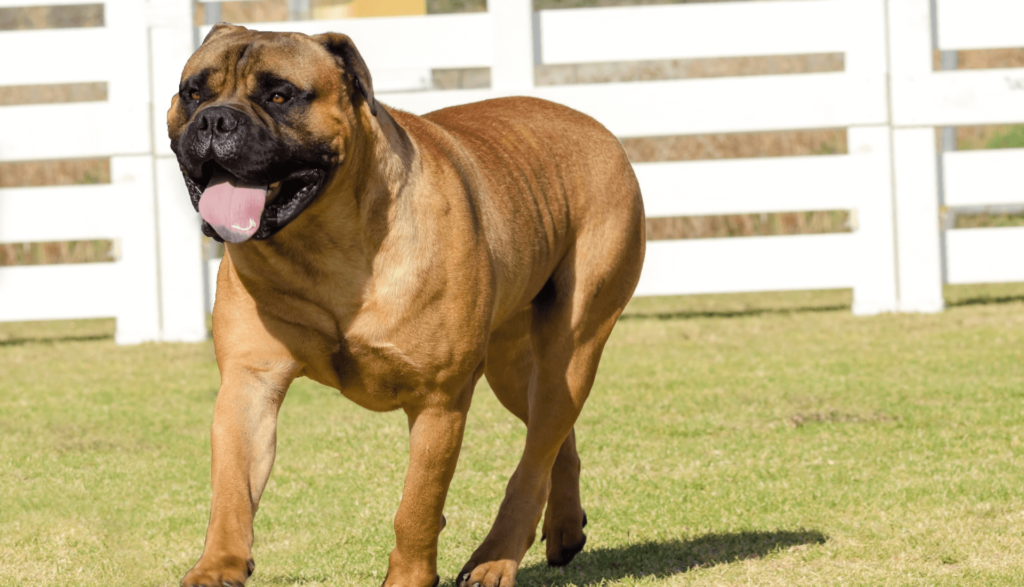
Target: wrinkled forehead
[(244, 56)]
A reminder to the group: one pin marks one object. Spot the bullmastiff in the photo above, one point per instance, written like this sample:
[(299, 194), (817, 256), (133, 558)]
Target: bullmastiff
[(397, 258)]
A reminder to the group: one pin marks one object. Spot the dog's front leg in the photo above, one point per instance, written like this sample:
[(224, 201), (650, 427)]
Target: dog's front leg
[(243, 439), (435, 430)]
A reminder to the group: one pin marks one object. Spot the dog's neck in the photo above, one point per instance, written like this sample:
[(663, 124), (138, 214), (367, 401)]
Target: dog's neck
[(351, 226), (390, 157)]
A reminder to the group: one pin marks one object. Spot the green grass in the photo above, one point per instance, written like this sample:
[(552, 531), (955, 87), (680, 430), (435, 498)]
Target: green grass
[(729, 440)]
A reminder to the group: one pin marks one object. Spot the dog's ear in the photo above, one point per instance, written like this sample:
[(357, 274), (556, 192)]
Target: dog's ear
[(222, 28), (342, 47)]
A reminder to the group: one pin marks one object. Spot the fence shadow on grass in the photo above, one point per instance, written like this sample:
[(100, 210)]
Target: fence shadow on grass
[(729, 313), (985, 300), (54, 339), (44, 332), (664, 559)]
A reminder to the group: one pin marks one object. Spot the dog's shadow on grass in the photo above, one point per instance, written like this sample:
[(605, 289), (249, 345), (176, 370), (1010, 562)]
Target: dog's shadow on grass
[(667, 558), (643, 559)]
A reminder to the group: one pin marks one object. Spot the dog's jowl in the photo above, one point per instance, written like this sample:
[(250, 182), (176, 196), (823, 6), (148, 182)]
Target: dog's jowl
[(399, 258)]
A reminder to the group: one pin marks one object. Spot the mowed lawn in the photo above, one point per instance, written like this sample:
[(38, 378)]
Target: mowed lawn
[(729, 440)]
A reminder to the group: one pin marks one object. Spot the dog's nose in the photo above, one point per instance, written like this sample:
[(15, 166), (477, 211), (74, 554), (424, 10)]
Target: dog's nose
[(220, 121)]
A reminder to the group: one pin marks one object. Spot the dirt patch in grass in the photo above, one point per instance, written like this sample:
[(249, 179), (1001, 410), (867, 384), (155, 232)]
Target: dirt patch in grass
[(836, 416)]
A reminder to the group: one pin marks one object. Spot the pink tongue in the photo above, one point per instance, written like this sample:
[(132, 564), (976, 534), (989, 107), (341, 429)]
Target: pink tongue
[(232, 207)]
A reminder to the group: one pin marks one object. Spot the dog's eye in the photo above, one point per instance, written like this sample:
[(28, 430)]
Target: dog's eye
[(278, 98), (194, 94)]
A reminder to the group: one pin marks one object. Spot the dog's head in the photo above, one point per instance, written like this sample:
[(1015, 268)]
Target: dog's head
[(260, 122)]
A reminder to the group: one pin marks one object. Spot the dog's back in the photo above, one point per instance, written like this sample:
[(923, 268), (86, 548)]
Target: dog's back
[(558, 174)]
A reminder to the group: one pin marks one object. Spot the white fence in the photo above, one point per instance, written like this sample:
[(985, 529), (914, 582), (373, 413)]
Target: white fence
[(887, 97), (155, 288), (923, 99)]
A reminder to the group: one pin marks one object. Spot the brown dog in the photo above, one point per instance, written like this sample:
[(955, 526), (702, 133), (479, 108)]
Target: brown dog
[(398, 258)]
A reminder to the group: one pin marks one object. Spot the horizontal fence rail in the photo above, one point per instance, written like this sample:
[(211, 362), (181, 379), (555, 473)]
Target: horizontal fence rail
[(63, 213), (100, 129), (955, 98), (983, 178), (758, 103), (984, 255), (56, 292), (93, 58), (979, 24), (702, 188), (442, 41), (750, 264), (594, 35)]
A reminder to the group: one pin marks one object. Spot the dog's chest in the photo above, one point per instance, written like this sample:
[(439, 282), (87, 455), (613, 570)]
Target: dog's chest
[(381, 351), (392, 370), (376, 378), (378, 368)]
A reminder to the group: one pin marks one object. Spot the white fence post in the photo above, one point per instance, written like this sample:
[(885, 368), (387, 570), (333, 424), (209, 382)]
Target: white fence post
[(181, 257), (917, 220), (512, 70), (915, 164), (138, 309), (875, 289)]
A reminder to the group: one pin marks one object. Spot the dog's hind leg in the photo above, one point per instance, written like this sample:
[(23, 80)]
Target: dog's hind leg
[(570, 322), (510, 365), (564, 518)]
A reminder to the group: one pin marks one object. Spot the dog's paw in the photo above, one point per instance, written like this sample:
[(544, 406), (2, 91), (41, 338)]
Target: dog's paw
[(230, 571), (501, 573), (563, 544)]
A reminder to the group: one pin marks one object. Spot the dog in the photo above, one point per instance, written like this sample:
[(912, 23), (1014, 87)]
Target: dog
[(399, 258)]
